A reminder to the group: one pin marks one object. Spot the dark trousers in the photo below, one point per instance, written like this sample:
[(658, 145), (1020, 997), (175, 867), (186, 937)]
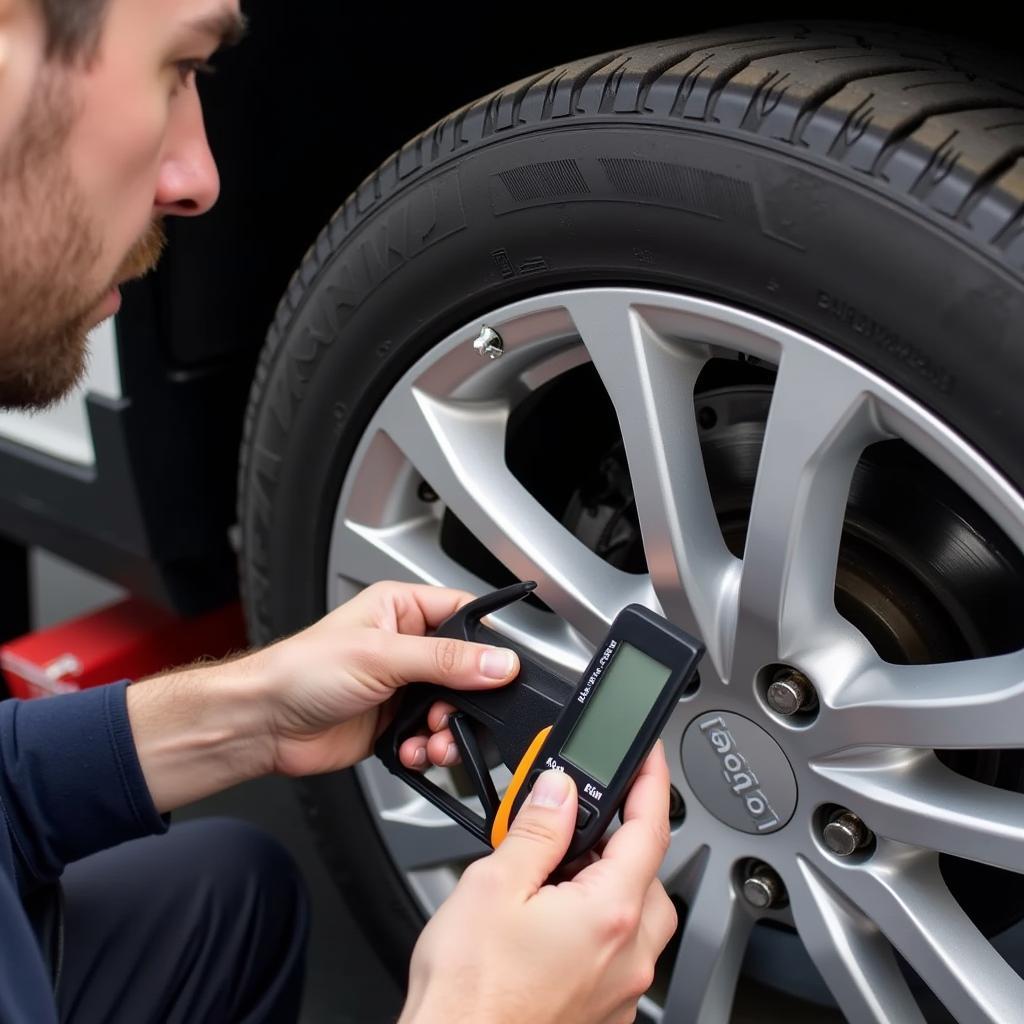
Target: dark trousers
[(204, 925)]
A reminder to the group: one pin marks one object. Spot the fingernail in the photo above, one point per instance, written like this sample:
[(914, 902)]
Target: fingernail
[(550, 790), (443, 721), (451, 754), (420, 757), (496, 663)]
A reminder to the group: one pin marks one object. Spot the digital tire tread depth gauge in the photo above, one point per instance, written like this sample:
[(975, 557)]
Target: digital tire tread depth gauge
[(598, 731)]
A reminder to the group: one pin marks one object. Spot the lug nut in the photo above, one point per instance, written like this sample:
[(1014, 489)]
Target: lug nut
[(845, 834), (763, 888), (488, 343), (790, 692)]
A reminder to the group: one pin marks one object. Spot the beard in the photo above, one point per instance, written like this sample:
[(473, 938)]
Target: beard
[(48, 252)]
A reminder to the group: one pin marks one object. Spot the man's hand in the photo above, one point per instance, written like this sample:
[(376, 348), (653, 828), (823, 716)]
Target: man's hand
[(337, 677), (311, 703), (507, 947)]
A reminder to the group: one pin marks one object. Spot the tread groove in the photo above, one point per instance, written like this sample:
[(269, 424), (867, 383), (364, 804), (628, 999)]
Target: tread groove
[(900, 135)]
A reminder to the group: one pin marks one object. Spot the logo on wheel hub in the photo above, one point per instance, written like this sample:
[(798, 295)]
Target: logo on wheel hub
[(739, 772)]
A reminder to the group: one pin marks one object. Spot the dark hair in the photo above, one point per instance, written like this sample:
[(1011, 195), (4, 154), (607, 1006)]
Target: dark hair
[(72, 27)]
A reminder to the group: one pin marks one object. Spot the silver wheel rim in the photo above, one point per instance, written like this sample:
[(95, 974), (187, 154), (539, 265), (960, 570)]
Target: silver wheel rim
[(870, 747)]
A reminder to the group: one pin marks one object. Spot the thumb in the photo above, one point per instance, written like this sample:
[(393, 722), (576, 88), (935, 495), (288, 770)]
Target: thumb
[(401, 658), (540, 835)]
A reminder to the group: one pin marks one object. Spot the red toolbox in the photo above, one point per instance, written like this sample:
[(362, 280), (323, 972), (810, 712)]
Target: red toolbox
[(127, 640)]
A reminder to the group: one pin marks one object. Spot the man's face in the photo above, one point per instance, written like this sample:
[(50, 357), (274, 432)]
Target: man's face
[(92, 157)]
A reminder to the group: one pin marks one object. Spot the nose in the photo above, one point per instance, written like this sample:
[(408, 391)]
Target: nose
[(188, 183)]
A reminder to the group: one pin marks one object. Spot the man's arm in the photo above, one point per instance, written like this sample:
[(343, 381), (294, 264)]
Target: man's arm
[(201, 730), (82, 772), (312, 703), (70, 782)]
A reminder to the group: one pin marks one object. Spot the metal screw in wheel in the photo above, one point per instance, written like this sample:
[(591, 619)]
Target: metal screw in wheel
[(763, 889), (845, 834), (790, 692)]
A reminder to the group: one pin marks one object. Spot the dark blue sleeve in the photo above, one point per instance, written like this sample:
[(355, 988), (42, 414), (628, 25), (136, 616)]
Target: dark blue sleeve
[(26, 993), (70, 781)]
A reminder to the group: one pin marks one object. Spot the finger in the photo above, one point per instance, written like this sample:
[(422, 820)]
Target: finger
[(540, 834), (396, 659), (411, 608), (659, 917), (420, 608), (567, 872), (437, 717), (626, 1014), (439, 748), (417, 751), (649, 795), (442, 749), (413, 753), (635, 852)]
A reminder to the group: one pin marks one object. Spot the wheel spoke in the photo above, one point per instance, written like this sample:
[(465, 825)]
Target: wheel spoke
[(910, 796), (907, 899), (408, 551), (969, 705), (419, 836), (683, 864), (650, 380), (819, 422), (715, 936), (411, 552), (459, 447), (852, 955)]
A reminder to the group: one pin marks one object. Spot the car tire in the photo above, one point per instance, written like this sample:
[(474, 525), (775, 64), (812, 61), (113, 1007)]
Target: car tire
[(859, 183)]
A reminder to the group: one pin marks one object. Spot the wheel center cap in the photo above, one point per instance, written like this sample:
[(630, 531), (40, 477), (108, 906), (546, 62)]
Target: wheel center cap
[(738, 772)]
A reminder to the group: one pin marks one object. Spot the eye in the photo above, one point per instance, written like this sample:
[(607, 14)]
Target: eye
[(189, 68)]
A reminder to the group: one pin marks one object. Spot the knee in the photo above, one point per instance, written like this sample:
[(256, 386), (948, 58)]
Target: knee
[(237, 848), (248, 872)]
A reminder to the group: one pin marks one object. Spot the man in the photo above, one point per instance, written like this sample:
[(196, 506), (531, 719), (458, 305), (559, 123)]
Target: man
[(101, 137)]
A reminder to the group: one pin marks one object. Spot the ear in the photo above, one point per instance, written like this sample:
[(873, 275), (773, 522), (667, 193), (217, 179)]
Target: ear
[(13, 13), (22, 51)]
